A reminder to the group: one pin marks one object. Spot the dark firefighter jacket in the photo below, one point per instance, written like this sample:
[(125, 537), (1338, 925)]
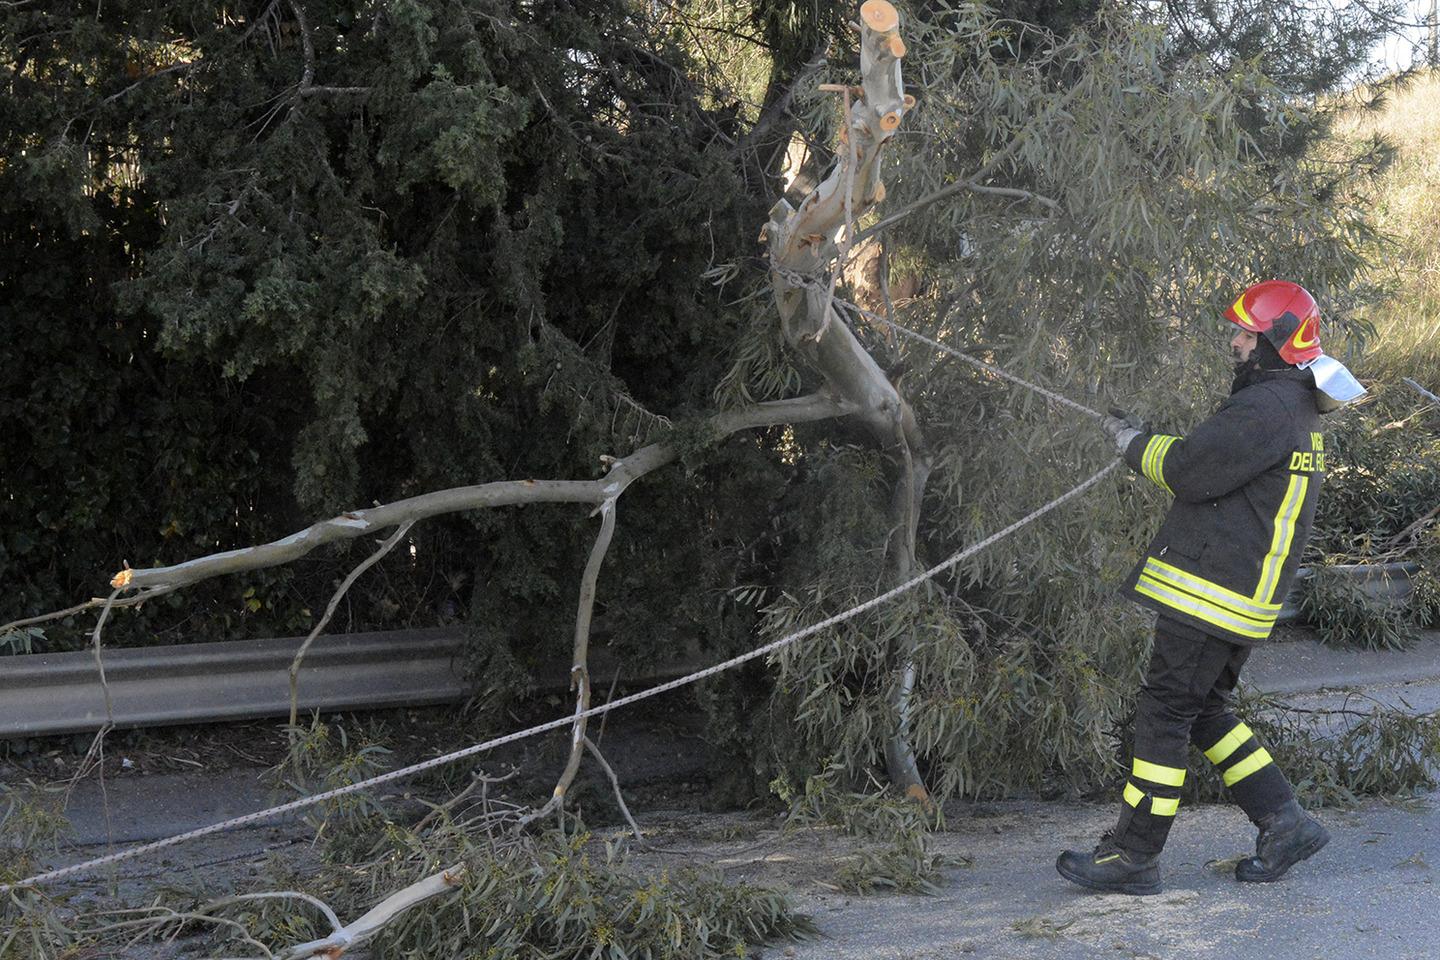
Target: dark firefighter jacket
[(1245, 482)]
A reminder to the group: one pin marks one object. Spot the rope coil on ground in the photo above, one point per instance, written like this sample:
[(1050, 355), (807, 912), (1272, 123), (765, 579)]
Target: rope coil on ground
[(90, 866)]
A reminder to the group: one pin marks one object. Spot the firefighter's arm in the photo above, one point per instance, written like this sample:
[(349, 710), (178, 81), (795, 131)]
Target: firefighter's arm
[(1232, 447)]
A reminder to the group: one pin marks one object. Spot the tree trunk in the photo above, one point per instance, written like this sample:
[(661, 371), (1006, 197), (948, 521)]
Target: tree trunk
[(806, 242)]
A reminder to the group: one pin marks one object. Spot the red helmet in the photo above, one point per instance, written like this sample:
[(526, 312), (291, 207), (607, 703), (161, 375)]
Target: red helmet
[(1285, 314)]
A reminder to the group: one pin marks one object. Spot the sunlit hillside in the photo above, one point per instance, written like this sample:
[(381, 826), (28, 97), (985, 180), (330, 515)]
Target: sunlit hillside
[(1408, 321)]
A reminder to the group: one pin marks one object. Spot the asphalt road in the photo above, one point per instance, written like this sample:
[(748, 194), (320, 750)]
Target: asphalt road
[(1370, 894)]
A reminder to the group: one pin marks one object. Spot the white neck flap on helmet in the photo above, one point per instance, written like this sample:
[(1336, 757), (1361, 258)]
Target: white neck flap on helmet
[(1333, 380)]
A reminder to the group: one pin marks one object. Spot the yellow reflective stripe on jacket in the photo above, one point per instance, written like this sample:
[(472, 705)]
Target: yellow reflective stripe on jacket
[(1169, 776), (1237, 603), (1152, 461), (1239, 608), (1283, 537), (1160, 806), (1260, 758), (1202, 609), (1228, 744)]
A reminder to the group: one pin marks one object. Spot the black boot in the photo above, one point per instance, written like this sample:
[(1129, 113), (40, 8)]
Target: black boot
[(1112, 869), (1286, 837)]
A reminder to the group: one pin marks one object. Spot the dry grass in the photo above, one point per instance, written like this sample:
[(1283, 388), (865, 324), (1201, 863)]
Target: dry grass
[(1407, 321)]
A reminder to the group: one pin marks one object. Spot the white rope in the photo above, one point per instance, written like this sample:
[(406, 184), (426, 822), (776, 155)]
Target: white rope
[(802, 280), (979, 364), (90, 865)]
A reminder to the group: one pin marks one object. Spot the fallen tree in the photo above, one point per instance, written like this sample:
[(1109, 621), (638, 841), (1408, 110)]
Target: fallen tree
[(1066, 202)]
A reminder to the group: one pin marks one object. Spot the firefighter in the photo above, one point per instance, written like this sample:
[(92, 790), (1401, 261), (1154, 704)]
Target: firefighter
[(1245, 483)]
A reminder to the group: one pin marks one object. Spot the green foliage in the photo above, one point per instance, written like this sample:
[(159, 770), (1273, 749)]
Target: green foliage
[(21, 641), (561, 894), (896, 855), (324, 757), (1338, 756), (556, 899), (1153, 164), (32, 925), (1384, 477), (277, 260), (1343, 613), (1376, 507), (240, 301), (1384, 484), (1400, 118)]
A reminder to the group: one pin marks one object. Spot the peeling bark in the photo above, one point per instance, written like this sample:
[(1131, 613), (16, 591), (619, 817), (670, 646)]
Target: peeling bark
[(374, 920), (807, 241)]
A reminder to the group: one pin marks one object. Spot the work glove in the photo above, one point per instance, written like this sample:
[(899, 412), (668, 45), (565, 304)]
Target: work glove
[(1122, 427)]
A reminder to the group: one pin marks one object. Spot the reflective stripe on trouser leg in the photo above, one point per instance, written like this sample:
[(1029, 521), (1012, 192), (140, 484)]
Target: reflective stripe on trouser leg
[(1150, 801), (1256, 784), (1145, 819), (1182, 675)]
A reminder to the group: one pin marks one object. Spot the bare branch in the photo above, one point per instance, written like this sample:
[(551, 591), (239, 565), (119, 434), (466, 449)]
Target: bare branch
[(931, 199), (364, 565), (334, 91), (357, 523), (173, 68), (381, 914), (151, 925), (307, 46), (100, 661), (134, 601), (580, 667), (315, 902), (615, 783), (973, 182)]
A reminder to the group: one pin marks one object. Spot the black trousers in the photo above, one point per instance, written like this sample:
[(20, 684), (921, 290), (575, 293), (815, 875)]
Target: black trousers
[(1188, 697)]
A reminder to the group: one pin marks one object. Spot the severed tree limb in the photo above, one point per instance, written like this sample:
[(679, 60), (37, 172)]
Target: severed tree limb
[(580, 668), (370, 923), (344, 587), (357, 523)]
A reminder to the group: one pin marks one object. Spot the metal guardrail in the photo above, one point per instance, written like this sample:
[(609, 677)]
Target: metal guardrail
[(58, 693), (54, 693), (43, 694)]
